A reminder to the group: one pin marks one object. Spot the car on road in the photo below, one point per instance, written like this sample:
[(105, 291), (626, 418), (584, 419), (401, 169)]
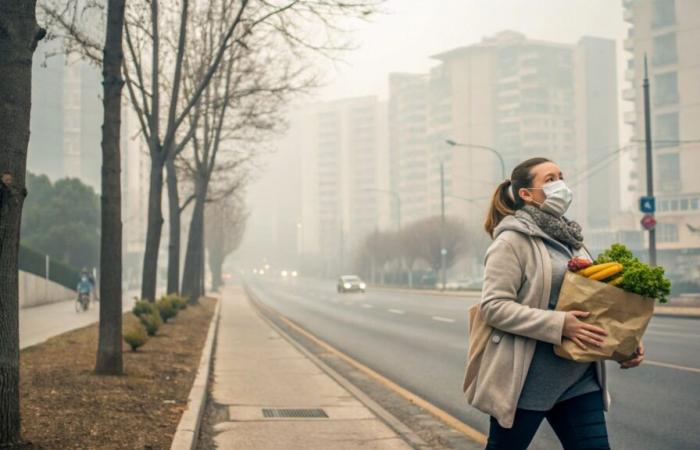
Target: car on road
[(351, 283)]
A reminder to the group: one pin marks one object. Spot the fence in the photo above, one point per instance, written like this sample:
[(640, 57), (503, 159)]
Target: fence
[(37, 264)]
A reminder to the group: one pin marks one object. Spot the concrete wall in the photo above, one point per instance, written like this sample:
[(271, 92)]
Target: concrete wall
[(35, 291)]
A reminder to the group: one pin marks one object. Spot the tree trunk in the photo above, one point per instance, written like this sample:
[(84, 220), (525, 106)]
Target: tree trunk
[(191, 276), (109, 349), (216, 263), (174, 228), (153, 231), (19, 34)]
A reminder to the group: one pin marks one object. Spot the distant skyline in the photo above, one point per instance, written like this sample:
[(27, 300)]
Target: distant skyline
[(404, 38)]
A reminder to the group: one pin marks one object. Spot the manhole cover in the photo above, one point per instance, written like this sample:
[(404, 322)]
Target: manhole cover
[(295, 413)]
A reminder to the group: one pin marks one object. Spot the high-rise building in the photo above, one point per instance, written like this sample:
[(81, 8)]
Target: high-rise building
[(326, 188), (666, 32), (66, 117), (408, 141), (521, 98)]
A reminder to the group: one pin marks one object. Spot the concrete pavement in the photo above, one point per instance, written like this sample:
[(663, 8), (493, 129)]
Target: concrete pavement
[(419, 342), (255, 369), (39, 323)]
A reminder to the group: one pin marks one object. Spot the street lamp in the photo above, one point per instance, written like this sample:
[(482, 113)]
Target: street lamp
[(452, 143)]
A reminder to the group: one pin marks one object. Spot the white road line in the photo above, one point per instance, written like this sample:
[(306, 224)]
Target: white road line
[(671, 366), (397, 311), (347, 303), (365, 305), (666, 333), (443, 319)]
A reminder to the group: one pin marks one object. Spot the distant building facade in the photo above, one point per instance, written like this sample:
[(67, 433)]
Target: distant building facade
[(667, 32)]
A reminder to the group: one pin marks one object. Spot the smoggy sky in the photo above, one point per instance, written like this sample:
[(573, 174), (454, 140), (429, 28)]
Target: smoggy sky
[(410, 31)]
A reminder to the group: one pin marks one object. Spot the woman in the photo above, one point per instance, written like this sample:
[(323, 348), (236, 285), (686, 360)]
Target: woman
[(521, 381)]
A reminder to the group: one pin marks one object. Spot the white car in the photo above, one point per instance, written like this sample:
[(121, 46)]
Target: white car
[(351, 283)]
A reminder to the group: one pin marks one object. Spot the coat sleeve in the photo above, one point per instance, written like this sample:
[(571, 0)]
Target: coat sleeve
[(503, 279)]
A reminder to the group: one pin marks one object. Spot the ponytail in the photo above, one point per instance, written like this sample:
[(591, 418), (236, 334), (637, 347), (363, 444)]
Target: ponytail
[(502, 205), (506, 199)]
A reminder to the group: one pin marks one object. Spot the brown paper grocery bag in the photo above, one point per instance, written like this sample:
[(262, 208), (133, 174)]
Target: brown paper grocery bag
[(479, 334), (622, 314)]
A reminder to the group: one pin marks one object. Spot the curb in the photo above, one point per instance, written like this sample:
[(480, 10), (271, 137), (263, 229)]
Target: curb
[(401, 429), (187, 432)]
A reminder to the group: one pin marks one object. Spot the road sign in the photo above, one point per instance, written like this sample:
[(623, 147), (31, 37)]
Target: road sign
[(648, 222), (647, 204)]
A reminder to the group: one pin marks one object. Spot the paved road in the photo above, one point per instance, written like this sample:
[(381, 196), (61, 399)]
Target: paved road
[(40, 323), (419, 341)]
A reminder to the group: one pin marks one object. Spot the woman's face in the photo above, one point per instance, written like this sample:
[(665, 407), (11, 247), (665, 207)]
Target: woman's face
[(542, 174)]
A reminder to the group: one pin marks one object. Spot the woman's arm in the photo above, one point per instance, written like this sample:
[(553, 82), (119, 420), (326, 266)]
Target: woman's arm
[(503, 278)]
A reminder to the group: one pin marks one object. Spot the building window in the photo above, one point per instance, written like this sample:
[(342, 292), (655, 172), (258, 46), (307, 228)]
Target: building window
[(663, 205), (694, 203), (669, 173), (663, 13), (665, 51), (666, 89), (667, 232), (666, 133), (684, 204)]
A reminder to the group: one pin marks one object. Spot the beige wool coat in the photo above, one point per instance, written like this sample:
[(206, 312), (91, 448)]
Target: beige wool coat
[(515, 298)]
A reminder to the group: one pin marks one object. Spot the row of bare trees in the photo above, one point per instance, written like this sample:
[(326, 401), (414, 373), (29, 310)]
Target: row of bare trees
[(417, 245), (207, 80)]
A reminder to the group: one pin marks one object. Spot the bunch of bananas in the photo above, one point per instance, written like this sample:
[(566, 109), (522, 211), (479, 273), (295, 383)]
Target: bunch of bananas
[(604, 272)]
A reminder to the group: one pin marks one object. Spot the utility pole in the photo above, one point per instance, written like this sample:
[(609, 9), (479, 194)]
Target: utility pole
[(649, 161), (443, 250)]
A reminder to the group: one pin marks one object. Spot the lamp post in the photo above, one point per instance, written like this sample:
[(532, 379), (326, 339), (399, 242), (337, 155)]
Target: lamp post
[(452, 143)]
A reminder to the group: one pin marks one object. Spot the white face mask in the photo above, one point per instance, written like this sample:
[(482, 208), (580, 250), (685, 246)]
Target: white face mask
[(559, 198)]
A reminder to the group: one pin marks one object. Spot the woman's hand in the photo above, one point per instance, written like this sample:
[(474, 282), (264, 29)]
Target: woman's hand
[(582, 333), (636, 359)]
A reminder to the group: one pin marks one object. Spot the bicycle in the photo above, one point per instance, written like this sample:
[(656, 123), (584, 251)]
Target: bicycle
[(82, 303)]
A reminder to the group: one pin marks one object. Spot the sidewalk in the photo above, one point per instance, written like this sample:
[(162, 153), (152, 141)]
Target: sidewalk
[(255, 369), (39, 323)]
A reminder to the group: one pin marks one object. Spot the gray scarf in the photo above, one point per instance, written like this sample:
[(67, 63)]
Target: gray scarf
[(563, 230)]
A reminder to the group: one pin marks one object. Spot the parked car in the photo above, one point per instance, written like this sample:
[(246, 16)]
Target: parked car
[(463, 284), (351, 283)]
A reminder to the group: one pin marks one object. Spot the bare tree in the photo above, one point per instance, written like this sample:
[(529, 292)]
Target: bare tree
[(224, 228), (151, 77), (429, 244), (109, 349), (298, 21), (19, 35)]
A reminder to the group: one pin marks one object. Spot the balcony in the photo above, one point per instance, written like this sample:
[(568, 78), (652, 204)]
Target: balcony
[(629, 94), (629, 74), (629, 44), (628, 15)]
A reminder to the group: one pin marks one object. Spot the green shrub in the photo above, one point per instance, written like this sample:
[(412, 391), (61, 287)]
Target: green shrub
[(135, 337), (167, 309), (151, 323), (142, 308), (179, 301)]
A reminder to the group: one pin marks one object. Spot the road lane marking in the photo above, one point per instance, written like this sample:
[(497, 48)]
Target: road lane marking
[(347, 303), (671, 366), (365, 305), (443, 319), (450, 420), (666, 333), (397, 311)]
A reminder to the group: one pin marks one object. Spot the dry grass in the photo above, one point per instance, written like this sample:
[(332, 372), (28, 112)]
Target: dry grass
[(66, 406)]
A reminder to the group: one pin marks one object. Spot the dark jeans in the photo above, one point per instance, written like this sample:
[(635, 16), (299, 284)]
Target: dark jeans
[(578, 422)]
